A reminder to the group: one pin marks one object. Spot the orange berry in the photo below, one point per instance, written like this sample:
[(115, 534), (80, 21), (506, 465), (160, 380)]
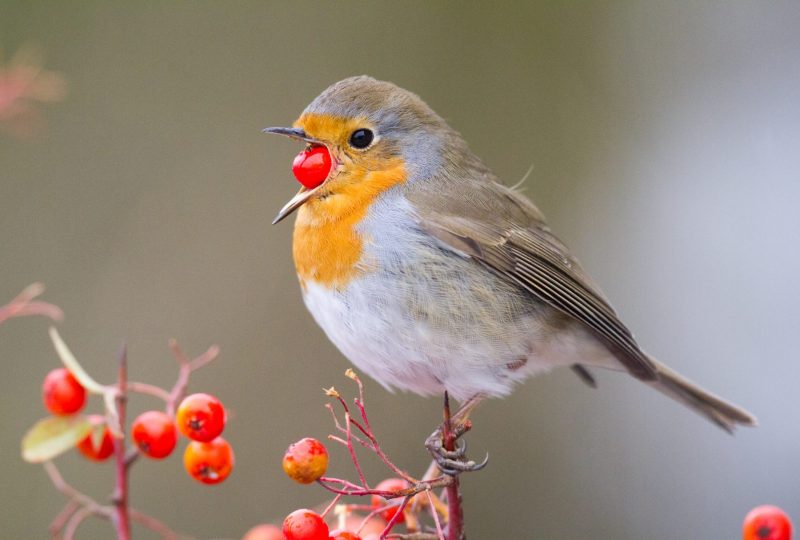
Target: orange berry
[(305, 524), (209, 462), (305, 461), (201, 417)]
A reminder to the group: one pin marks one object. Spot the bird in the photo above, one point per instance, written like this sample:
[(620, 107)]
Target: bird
[(431, 275)]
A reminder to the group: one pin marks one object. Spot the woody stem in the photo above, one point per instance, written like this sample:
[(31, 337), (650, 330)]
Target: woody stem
[(455, 524), (120, 495)]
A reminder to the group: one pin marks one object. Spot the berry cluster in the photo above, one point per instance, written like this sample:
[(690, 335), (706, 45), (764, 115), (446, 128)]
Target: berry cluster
[(208, 457), (200, 417), (305, 462), (63, 395), (400, 500)]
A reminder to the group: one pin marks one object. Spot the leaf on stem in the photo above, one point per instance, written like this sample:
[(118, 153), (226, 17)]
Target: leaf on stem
[(71, 363), (53, 436)]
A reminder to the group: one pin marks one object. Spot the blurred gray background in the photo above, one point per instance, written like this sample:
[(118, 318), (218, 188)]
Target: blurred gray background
[(665, 144)]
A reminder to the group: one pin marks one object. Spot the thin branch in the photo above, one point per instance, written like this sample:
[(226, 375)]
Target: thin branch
[(331, 505), (375, 446), (60, 521), (131, 456), (365, 428), (207, 357), (395, 516), (186, 367), (75, 522), (154, 525), (23, 305), (435, 515), (82, 499), (120, 496), (352, 451), (149, 389)]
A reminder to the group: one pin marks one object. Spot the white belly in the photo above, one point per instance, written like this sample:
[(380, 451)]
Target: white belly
[(424, 321), (377, 333)]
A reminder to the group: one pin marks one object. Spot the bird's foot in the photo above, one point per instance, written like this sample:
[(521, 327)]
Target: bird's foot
[(445, 446)]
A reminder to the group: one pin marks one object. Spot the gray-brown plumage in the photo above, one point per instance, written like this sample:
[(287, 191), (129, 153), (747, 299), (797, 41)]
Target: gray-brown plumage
[(462, 286)]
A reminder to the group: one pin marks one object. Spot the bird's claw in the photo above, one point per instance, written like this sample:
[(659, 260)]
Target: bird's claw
[(453, 467), (452, 462)]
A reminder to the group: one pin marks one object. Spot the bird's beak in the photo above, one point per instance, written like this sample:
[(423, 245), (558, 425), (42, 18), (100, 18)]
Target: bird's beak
[(304, 194), (294, 133), (294, 203)]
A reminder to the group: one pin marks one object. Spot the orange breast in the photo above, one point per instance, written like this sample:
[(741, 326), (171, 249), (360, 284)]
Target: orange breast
[(328, 249)]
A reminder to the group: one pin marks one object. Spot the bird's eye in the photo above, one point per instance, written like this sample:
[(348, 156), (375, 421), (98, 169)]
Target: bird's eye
[(361, 138)]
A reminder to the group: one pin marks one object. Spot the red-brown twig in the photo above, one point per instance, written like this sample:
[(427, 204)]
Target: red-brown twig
[(81, 498), (455, 523), (396, 516), (360, 431), (79, 507), (366, 429), (360, 403), (155, 525), (149, 389), (120, 496), (74, 522), (331, 505), (186, 367), (435, 514), (60, 521)]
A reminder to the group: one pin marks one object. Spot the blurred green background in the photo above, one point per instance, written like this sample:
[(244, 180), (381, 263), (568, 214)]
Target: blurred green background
[(664, 139)]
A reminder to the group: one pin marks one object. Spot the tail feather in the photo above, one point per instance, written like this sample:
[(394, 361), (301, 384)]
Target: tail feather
[(724, 414)]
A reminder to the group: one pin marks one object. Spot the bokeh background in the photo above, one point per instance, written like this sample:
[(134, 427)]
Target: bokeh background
[(665, 144)]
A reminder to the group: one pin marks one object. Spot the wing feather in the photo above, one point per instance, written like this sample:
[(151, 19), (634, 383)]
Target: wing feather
[(507, 234)]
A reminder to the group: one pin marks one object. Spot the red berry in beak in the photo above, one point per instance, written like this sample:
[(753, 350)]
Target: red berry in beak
[(312, 166)]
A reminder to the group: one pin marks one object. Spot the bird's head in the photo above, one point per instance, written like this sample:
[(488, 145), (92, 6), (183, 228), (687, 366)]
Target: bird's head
[(376, 134)]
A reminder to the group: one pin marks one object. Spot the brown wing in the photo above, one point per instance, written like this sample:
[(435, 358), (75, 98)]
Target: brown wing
[(505, 232)]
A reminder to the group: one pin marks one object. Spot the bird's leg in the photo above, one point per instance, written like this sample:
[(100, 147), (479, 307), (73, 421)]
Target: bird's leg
[(444, 445)]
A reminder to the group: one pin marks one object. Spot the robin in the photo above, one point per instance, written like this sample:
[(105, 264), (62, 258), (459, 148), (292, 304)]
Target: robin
[(432, 276)]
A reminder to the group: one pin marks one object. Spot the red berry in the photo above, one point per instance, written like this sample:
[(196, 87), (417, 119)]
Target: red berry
[(209, 462), (305, 461), (343, 535), (62, 393), (312, 166), (304, 525), (265, 531), (767, 523), (201, 417), (155, 434), (105, 449), (390, 484)]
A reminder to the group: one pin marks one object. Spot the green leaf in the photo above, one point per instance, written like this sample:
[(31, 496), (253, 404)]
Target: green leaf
[(53, 436), (71, 363)]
